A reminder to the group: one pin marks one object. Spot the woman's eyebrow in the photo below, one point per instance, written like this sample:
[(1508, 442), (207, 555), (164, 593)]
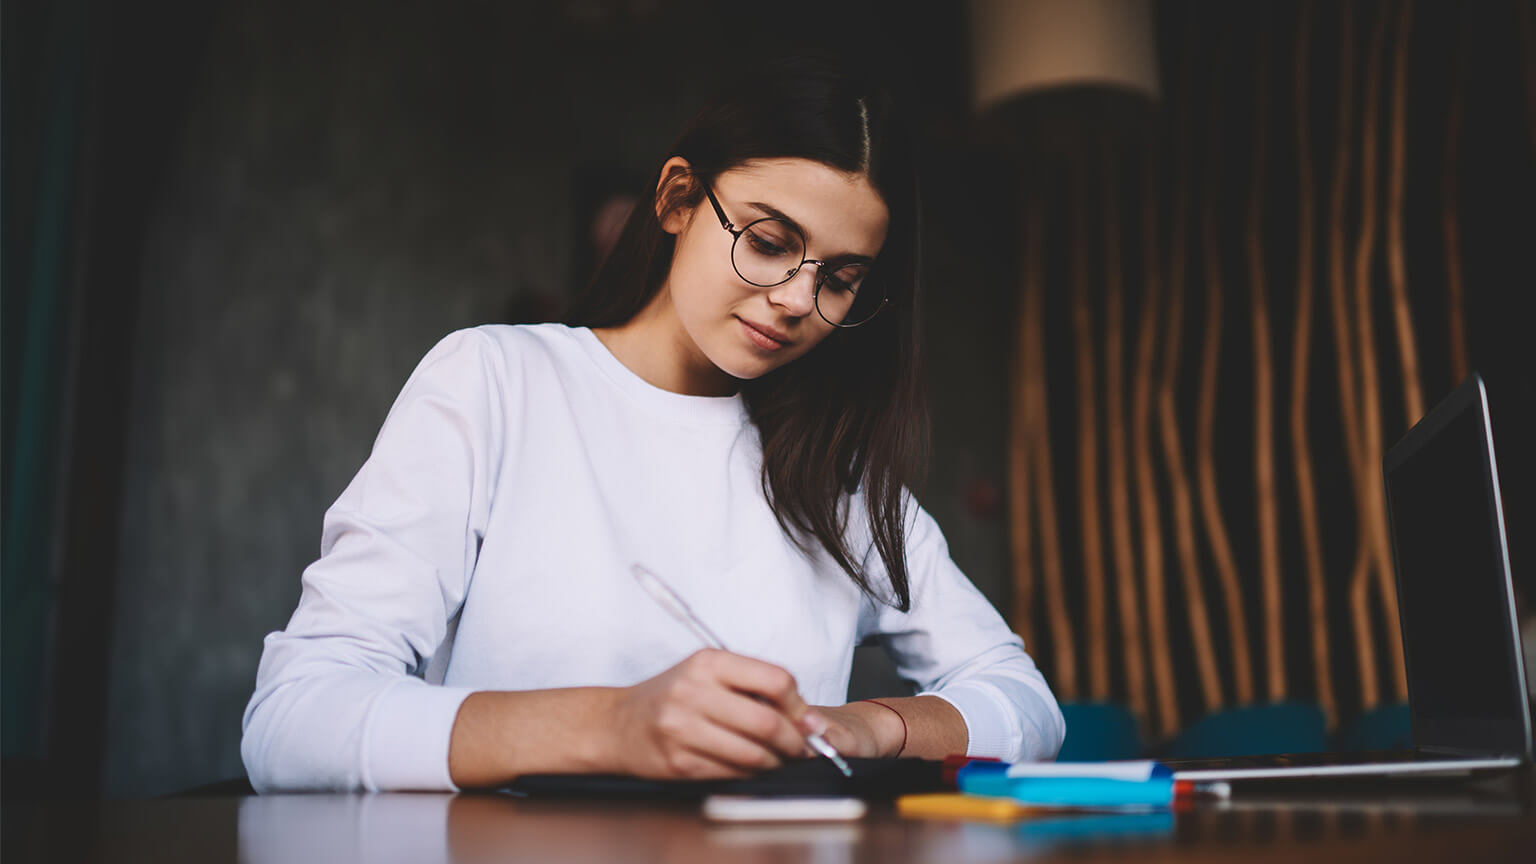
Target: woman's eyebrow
[(770, 210)]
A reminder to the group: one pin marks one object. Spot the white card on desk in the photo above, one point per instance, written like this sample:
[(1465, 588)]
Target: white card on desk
[(750, 808)]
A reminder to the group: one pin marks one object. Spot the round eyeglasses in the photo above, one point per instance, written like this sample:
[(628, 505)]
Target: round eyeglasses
[(771, 250)]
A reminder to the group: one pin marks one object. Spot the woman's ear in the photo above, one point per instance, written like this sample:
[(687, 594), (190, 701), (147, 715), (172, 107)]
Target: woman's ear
[(676, 178)]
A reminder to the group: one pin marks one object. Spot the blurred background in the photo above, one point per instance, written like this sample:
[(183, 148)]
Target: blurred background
[(1169, 244)]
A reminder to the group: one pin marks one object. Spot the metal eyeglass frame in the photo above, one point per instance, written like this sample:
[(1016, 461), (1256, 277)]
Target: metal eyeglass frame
[(821, 266)]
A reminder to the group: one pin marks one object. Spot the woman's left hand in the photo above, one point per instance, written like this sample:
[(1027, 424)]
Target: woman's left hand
[(862, 730)]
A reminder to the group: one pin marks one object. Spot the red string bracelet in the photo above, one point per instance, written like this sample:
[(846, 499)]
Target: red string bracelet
[(898, 717)]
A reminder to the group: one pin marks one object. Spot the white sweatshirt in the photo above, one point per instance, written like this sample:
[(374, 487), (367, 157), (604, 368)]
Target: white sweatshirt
[(486, 544)]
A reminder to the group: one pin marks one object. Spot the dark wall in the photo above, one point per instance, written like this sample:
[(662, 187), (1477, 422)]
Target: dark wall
[(349, 183)]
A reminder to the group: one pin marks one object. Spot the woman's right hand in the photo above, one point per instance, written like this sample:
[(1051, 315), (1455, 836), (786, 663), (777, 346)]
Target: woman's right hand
[(715, 715)]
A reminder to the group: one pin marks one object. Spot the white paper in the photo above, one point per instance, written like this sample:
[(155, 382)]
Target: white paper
[(1140, 769)]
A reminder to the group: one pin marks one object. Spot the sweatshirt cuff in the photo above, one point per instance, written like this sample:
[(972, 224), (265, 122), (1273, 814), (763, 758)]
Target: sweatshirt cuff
[(406, 737), (987, 719)]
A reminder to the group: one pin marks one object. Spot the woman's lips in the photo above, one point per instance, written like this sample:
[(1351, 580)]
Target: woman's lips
[(760, 337)]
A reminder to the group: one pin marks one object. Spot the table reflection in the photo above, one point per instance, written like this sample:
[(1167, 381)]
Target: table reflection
[(427, 828), (485, 828), (1074, 829), (344, 828)]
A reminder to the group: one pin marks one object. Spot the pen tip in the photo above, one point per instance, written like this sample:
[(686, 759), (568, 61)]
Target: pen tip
[(842, 766), (820, 745)]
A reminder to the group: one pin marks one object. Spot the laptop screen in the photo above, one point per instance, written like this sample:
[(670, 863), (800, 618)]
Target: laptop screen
[(1465, 682)]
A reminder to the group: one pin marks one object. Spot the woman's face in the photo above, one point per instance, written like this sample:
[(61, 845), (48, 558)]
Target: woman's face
[(744, 330)]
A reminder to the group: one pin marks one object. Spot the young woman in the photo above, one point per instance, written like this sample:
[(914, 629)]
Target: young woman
[(736, 406)]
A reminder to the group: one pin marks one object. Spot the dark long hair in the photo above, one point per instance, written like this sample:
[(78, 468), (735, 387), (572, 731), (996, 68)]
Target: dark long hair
[(850, 413)]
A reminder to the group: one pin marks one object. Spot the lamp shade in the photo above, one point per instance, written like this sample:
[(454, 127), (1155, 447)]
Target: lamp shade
[(1018, 46)]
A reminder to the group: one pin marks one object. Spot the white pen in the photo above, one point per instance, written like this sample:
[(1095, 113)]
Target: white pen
[(670, 601)]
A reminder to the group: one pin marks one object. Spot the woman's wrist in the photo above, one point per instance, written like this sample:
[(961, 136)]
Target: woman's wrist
[(917, 727), (597, 750), (500, 735), (876, 730), (892, 738)]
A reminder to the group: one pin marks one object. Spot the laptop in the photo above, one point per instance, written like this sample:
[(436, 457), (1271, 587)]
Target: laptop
[(1466, 678)]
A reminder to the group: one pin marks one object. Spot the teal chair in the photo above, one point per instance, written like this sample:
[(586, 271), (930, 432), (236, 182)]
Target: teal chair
[(1384, 728), (1284, 727), (1098, 731)]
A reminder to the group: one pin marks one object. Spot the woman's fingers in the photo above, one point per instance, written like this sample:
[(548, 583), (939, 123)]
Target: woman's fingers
[(694, 765), (758, 722), (716, 714), (729, 746), (761, 701), (765, 681)]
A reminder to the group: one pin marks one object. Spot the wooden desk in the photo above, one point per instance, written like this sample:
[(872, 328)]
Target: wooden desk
[(1489, 821)]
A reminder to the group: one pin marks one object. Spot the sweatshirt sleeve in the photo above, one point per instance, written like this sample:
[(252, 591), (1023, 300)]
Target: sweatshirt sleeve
[(955, 646), (339, 704)]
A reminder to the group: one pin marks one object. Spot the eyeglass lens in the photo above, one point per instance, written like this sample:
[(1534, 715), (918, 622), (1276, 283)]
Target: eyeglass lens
[(769, 252)]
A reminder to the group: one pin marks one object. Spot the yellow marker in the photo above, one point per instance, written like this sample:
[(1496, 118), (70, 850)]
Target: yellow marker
[(958, 805)]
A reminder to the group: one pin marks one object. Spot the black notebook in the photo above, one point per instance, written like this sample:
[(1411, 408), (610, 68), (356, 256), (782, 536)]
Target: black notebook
[(873, 779)]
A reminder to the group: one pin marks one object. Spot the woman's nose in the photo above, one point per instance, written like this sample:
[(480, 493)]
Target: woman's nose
[(798, 295)]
